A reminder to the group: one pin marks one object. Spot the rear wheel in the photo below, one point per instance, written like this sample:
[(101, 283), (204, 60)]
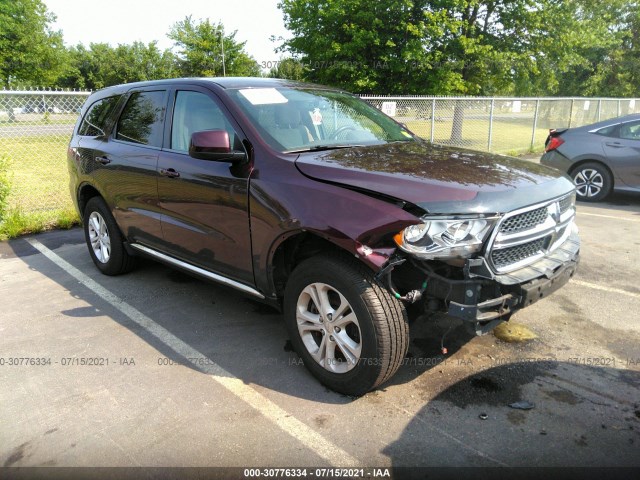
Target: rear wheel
[(347, 328), (105, 242), (593, 181)]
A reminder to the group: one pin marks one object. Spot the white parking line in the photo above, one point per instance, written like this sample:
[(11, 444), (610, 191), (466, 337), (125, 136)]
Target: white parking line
[(595, 286), (609, 216), (271, 411)]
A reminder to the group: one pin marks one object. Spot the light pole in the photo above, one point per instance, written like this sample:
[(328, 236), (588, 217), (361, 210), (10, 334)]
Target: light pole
[(224, 70)]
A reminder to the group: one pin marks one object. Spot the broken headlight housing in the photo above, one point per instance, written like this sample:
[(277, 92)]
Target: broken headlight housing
[(445, 237)]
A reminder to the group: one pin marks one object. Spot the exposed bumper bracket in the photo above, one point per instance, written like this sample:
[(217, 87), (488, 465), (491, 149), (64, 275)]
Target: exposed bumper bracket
[(485, 316)]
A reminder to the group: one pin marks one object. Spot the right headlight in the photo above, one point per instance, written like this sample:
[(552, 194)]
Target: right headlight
[(445, 237)]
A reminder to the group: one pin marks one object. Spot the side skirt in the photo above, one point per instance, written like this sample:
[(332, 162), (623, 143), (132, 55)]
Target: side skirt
[(197, 270)]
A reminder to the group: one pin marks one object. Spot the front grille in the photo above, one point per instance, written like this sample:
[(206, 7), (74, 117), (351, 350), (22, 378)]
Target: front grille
[(525, 235), (525, 221), (511, 255)]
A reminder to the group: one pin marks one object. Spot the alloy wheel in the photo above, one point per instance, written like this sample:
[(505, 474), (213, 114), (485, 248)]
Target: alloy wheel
[(589, 182), (329, 328), (99, 237)]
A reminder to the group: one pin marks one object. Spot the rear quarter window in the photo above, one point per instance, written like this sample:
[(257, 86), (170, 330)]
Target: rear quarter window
[(609, 131), (94, 122)]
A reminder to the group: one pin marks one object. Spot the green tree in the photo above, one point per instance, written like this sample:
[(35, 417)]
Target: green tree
[(613, 70), (289, 68), (202, 47), (576, 38), (30, 52), (451, 47), (102, 65), (360, 45)]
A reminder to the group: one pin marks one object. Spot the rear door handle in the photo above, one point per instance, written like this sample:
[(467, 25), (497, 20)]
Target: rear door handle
[(103, 160), (614, 144), (169, 172)]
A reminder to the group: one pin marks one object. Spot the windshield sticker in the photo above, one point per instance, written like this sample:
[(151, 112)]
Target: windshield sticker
[(316, 117), (263, 96)]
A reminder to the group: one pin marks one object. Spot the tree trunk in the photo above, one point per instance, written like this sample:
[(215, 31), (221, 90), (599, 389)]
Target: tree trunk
[(458, 120)]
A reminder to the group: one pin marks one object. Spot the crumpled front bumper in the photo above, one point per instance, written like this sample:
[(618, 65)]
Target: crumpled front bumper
[(521, 288), (489, 313)]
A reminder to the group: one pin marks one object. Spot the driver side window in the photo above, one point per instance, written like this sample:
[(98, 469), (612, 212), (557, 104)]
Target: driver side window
[(195, 112)]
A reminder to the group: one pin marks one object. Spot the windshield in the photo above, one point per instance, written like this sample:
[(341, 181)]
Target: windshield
[(293, 120)]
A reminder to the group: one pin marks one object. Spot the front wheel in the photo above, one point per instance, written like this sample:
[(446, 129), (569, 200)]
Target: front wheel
[(350, 332), (593, 181)]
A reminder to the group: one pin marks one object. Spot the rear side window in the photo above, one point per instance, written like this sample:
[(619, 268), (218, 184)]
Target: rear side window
[(141, 119), (93, 123), (609, 131)]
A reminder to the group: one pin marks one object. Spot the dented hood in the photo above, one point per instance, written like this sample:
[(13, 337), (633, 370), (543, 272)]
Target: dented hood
[(439, 179)]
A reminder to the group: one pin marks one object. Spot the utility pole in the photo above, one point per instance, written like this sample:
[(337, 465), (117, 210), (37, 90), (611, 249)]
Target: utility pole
[(224, 70)]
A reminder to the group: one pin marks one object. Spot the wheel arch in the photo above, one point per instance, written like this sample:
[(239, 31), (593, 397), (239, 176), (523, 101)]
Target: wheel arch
[(86, 192), (292, 249)]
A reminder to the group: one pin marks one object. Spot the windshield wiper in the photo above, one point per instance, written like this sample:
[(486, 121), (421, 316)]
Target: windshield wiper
[(319, 148)]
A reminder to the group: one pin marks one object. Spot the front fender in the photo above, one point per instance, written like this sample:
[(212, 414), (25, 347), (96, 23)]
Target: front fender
[(357, 223)]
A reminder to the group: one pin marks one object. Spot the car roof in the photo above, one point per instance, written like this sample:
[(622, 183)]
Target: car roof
[(220, 82), (608, 122)]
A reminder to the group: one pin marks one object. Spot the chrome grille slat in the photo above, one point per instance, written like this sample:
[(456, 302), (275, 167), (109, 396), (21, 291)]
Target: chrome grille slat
[(526, 235), (511, 255), (525, 221)]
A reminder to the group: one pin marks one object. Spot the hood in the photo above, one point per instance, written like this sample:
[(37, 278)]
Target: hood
[(438, 179)]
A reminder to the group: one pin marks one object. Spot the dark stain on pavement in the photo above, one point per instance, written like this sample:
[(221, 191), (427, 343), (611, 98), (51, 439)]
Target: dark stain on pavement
[(494, 388), (322, 420), (485, 383), (17, 455), (516, 418), (582, 441), (564, 396)]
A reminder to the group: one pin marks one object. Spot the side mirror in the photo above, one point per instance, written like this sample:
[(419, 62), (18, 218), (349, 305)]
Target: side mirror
[(213, 145)]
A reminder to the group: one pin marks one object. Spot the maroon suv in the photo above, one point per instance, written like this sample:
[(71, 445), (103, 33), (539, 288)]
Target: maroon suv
[(311, 200)]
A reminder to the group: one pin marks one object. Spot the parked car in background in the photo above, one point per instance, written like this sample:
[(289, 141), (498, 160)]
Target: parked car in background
[(311, 200), (601, 157)]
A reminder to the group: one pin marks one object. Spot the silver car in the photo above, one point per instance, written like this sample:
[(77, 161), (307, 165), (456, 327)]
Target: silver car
[(599, 158)]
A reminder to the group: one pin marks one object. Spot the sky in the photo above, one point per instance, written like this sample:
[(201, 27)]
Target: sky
[(125, 21)]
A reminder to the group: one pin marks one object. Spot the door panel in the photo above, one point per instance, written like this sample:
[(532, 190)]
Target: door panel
[(624, 153), (205, 217), (130, 182)]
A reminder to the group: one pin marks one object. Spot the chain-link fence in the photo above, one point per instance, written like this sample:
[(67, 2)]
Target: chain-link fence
[(502, 125), (35, 127)]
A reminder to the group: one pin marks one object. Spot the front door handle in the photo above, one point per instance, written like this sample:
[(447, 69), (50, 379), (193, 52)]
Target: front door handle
[(103, 160), (614, 144), (169, 172)]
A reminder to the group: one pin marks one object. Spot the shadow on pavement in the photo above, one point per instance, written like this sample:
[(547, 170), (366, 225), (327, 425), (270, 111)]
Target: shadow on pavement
[(582, 416), (244, 337)]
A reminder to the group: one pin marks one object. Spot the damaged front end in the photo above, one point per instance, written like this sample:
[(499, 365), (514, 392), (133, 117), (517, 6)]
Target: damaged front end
[(482, 268)]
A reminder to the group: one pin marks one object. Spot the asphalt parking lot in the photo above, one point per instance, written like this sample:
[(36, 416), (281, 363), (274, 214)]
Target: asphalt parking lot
[(156, 368)]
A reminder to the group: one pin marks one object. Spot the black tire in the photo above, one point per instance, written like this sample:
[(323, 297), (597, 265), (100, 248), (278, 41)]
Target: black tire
[(102, 232), (593, 181), (380, 325)]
